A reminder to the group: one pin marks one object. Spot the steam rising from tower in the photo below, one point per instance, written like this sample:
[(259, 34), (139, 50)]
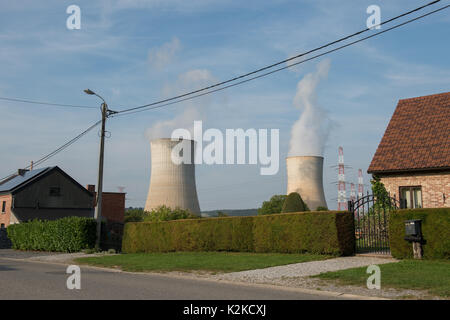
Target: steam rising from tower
[(172, 185), (308, 136)]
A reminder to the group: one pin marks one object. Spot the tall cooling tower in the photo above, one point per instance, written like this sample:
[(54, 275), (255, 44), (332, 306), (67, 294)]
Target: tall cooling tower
[(172, 185), (305, 176)]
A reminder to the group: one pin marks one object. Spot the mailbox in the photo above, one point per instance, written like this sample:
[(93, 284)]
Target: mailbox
[(413, 230)]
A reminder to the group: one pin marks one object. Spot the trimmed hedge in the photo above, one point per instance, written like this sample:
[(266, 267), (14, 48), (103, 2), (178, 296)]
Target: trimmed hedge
[(70, 234), (435, 230), (329, 232)]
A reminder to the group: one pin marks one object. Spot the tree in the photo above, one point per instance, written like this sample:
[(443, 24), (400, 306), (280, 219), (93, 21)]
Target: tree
[(134, 215), (381, 196), (164, 213), (294, 203), (221, 214), (274, 205)]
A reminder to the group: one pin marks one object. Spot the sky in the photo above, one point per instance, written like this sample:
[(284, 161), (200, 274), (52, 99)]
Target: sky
[(134, 52)]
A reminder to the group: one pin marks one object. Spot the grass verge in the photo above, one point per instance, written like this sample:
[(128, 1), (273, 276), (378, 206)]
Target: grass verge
[(430, 275), (198, 261)]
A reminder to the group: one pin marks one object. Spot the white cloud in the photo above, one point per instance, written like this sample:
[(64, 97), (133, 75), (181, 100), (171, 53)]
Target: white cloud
[(193, 110), (162, 56)]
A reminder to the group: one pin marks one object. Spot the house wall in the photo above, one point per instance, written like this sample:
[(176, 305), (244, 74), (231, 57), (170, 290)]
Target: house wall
[(435, 186), (5, 216), (38, 194), (113, 205)]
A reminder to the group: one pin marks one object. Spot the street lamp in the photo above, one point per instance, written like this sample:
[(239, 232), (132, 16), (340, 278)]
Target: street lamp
[(98, 208)]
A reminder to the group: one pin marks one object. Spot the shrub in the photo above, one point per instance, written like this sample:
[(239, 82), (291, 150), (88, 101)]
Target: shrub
[(320, 208), (207, 234), (294, 203), (164, 213), (274, 205), (134, 215), (315, 232), (435, 230), (70, 234)]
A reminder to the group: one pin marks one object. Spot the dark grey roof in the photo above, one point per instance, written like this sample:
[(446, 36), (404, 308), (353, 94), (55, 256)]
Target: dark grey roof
[(20, 180)]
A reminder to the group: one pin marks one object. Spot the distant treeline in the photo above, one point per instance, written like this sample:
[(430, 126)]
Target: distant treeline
[(133, 213), (231, 212)]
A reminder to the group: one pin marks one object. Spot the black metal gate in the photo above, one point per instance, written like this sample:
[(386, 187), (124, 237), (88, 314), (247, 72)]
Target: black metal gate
[(372, 222)]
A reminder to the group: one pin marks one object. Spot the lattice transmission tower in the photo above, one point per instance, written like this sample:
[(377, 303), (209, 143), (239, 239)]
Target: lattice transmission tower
[(342, 194)]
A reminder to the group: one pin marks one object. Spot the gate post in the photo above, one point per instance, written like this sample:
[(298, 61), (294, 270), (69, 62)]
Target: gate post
[(350, 205)]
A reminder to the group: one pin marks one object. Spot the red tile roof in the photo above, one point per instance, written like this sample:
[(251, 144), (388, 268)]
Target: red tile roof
[(417, 137)]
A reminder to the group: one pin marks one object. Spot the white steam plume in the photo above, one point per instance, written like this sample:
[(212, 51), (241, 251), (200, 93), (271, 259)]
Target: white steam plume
[(309, 133)]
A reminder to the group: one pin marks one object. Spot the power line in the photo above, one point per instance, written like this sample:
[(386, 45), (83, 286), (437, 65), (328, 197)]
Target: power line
[(281, 62), (58, 150), (47, 103), (153, 106)]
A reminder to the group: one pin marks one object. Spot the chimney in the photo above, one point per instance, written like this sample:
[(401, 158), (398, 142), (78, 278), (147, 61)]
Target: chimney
[(91, 188), (21, 172), (31, 165)]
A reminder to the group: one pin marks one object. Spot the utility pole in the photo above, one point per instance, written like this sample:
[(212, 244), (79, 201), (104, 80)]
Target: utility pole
[(98, 207)]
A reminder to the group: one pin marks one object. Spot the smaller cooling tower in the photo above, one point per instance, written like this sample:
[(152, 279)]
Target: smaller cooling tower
[(172, 185), (305, 176)]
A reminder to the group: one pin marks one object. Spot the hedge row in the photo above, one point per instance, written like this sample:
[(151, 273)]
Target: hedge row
[(70, 234), (435, 230), (328, 232)]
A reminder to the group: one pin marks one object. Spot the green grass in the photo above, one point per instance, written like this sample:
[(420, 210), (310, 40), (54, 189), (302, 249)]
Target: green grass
[(198, 261), (430, 275)]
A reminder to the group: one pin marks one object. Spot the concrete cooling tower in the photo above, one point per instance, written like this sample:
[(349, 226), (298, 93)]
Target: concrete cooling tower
[(305, 176), (172, 185)]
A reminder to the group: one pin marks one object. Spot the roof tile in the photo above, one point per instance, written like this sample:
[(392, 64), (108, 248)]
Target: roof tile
[(417, 137)]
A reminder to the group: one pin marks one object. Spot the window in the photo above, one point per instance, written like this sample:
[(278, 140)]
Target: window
[(2, 226), (411, 197), (55, 191), (4, 207)]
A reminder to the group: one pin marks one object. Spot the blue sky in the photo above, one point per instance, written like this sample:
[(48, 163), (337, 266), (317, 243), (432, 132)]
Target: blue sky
[(134, 52)]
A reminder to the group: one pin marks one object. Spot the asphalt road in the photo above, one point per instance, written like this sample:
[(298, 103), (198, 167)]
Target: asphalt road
[(37, 280)]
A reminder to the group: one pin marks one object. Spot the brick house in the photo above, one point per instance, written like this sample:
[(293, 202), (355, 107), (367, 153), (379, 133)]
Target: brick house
[(50, 193), (113, 204), (413, 157)]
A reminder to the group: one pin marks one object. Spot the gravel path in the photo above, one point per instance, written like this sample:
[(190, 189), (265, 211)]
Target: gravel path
[(17, 254), (57, 257), (65, 257), (306, 268), (298, 276)]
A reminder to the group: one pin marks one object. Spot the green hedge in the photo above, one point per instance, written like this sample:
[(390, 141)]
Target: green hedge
[(70, 234), (435, 230), (315, 232)]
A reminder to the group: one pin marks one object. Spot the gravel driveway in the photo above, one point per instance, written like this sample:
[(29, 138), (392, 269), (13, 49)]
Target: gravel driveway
[(306, 268), (298, 276)]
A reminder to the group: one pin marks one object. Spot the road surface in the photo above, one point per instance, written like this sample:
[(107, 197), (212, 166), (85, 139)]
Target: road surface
[(20, 279)]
